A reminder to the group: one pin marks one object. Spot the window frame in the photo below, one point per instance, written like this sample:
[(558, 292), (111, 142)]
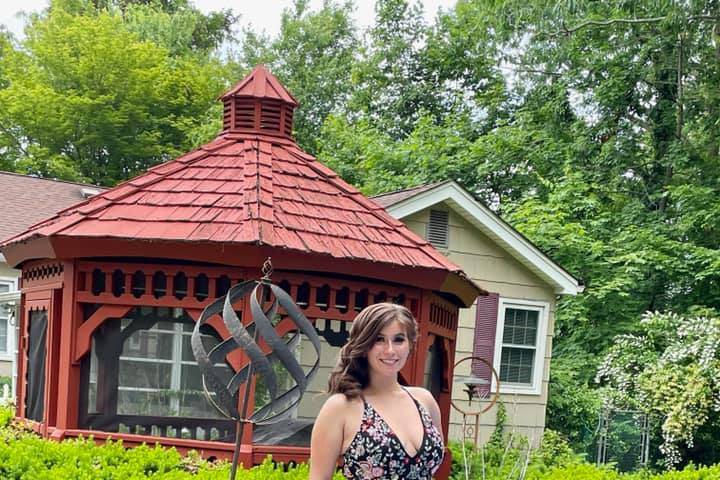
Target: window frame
[(176, 363), (7, 351), (543, 309)]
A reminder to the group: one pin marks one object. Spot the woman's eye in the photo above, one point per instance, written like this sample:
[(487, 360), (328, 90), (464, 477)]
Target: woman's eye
[(379, 340), (399, 340)]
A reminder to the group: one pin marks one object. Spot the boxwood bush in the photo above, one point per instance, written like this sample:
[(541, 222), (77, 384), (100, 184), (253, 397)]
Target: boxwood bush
[(25, 456)]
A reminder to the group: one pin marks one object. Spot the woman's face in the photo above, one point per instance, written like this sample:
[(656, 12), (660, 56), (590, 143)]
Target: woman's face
[(390, 350)]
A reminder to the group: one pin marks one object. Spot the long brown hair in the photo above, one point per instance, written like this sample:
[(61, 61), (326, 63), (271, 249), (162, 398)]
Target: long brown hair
[(350, 375)]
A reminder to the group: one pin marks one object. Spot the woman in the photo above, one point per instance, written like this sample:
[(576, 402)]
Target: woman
[(382, 429)]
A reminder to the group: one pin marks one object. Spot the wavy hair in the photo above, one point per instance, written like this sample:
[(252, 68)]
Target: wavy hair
[(350, 375)]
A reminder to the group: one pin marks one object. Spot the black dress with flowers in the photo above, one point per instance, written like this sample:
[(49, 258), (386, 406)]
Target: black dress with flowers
[(376, 452)]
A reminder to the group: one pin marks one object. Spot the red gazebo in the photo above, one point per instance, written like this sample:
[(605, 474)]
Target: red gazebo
[(111, 287)]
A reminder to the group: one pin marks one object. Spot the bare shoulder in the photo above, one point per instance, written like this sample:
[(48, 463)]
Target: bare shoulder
[(423, 396), (338, 404)]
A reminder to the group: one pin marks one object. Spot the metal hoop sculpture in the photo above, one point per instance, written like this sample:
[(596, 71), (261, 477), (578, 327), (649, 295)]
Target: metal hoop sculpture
[(470, 431), (261, 364)]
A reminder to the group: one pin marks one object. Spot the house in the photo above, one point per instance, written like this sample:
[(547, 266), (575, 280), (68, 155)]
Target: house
[(27, 200), (512, 327)]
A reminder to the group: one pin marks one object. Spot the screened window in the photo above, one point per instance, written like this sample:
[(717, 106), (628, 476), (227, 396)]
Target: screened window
[(156, 372), (3, 335), (520, 345)]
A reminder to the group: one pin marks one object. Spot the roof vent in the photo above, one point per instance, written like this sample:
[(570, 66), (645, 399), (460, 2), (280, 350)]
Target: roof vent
[(438, 229), (259, 104)]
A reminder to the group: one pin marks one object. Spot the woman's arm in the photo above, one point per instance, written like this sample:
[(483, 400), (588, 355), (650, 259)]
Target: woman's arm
[(327, 438)]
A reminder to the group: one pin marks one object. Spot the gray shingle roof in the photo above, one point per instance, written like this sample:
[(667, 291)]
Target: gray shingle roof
[(28, 200)]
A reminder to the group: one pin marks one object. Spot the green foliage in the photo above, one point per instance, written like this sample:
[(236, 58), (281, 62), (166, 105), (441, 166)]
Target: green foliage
[(670, 370), (180, 28), (510, 457), (88, 100), (496, 438), (7, 413), (553, 460), (573, 406), (25, 456)]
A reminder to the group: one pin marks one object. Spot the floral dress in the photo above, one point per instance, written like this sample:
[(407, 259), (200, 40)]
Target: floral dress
[(376, 452)]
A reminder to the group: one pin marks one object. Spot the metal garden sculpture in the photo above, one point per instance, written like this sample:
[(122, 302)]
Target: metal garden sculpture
[(264, 302)]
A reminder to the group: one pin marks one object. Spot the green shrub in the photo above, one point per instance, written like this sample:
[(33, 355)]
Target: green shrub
[(510, 459), (587, 471), (7, 412), (25, 456)]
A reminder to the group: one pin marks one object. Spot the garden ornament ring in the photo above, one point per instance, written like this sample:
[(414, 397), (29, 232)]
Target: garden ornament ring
[(493, 395)]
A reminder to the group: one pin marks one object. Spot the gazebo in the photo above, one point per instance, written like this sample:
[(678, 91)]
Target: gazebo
[(111, 287)]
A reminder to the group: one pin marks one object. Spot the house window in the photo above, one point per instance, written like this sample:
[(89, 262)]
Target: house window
[(5, 286), (438, 228), (520, 345)]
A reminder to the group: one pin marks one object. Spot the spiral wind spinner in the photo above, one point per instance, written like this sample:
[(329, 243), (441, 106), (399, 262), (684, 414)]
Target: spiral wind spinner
[(260, 364)]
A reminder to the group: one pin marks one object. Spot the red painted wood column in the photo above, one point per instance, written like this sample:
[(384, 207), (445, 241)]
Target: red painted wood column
[(68, 381), (21, 386), (54, 336)]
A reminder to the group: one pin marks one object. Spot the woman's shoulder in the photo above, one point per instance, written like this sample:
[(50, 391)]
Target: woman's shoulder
[(423, 396), (338, 403), (419, 393)]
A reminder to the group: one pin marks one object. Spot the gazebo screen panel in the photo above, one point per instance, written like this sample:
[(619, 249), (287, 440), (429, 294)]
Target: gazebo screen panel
[(141, 378), (36, 355)]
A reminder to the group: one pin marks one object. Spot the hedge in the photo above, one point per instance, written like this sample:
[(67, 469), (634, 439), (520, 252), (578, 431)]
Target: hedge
[(25, 456)]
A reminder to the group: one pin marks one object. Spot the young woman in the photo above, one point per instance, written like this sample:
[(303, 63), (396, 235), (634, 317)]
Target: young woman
[(382, 429)]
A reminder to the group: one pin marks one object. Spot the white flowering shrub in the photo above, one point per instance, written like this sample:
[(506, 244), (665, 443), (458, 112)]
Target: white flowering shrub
[(671, 370)]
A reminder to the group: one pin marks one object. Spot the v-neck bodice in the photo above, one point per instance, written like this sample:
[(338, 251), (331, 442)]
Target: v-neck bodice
[(376, 452)]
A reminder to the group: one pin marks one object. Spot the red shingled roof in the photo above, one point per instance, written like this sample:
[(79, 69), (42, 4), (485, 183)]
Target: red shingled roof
[(248, 188), (261, 84), (261, 190)]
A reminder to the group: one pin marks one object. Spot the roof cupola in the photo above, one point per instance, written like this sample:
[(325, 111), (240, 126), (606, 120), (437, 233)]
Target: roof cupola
[(259, 104)]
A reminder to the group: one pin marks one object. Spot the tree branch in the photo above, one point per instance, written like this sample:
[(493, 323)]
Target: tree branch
[(565, 31)]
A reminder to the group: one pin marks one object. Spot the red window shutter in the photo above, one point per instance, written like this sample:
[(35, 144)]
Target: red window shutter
[(484, 344)]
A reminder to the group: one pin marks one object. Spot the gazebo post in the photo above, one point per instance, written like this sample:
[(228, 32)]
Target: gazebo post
[(68, 383)]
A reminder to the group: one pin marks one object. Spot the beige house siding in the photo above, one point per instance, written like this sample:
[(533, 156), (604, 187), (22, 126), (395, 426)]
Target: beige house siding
[(315, 395), (496, 271)]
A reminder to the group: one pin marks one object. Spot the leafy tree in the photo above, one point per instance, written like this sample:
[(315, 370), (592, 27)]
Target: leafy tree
[(313, 56), (178, 26), (87, 99), (175, 24)]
